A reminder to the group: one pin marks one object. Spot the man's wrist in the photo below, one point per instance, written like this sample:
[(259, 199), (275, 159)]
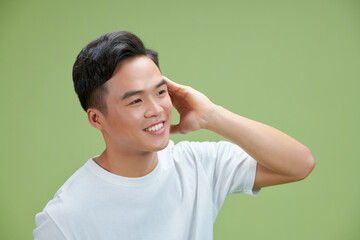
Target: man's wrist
[(213, 117)]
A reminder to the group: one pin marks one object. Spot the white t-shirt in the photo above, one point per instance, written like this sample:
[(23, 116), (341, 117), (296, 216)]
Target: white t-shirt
[(179, 199)]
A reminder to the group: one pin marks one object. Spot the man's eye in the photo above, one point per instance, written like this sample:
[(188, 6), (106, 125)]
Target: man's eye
[(136, 101), (161, 92)]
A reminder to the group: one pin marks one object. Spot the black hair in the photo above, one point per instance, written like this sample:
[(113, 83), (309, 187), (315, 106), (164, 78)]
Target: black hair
[(97, 61)]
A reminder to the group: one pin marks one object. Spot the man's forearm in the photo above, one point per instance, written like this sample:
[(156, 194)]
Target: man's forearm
[(272, 148)]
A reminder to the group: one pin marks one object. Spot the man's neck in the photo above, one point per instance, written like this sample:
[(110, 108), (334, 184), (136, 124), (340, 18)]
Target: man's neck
[(127, 165)]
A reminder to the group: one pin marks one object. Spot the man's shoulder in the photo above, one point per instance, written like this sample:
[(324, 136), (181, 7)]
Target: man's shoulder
[(193, 152), (200, 146), (71, 193)]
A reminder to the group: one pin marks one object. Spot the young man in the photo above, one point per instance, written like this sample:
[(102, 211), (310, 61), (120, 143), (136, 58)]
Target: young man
[(143, 186)]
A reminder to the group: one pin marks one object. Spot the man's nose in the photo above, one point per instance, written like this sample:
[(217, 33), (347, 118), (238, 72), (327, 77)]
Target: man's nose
[(153, 108)]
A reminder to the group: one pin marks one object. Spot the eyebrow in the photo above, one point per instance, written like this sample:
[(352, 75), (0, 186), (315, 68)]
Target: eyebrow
[(132, 93)]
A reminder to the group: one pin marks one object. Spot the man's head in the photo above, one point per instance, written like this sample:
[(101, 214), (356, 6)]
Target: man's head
[(121, 88), (97, 61)]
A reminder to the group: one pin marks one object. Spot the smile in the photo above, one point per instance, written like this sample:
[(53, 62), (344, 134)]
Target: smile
[(155, 127)]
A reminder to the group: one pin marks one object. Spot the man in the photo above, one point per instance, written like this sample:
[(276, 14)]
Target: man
[(143, 186)]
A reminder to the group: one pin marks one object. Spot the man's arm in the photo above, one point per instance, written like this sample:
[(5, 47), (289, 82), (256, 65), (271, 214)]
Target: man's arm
[(280, 158), (46, 228)]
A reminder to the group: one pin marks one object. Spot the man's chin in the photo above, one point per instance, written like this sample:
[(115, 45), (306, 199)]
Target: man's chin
[(162, 146)]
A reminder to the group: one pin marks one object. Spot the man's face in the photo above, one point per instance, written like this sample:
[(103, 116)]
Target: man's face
[(138, 108)]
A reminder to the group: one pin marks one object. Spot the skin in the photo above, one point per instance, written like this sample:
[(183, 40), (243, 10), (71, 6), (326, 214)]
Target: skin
[(281, 159), (131, 152)]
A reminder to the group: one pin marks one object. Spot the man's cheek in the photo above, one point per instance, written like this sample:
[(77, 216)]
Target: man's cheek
[(169, 101)]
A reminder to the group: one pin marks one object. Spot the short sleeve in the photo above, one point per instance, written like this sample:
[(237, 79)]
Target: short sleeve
[(228, 167), (46, 228)]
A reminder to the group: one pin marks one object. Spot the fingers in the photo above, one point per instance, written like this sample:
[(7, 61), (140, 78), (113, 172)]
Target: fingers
[(174, 129), (177, 129), (171, 83), (174, 87)]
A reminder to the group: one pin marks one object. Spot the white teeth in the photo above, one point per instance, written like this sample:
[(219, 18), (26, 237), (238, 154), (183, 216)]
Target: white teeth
[(154, 128)]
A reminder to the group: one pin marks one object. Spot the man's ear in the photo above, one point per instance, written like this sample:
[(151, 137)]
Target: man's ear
[(95, 118)]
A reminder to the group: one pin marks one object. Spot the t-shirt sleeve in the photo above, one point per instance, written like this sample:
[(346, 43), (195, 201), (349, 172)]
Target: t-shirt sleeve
[(228, 167), (46, 228)]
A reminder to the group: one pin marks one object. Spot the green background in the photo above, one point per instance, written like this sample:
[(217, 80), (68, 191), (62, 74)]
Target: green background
[(293, 65)]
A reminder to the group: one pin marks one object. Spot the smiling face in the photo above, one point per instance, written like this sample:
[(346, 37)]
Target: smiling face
[(138, 108)]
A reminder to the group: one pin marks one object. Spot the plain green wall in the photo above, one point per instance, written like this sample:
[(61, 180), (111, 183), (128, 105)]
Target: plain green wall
[(291, 64)]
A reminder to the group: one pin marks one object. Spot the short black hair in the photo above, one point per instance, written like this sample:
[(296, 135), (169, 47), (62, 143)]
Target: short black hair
[(97, 61)]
